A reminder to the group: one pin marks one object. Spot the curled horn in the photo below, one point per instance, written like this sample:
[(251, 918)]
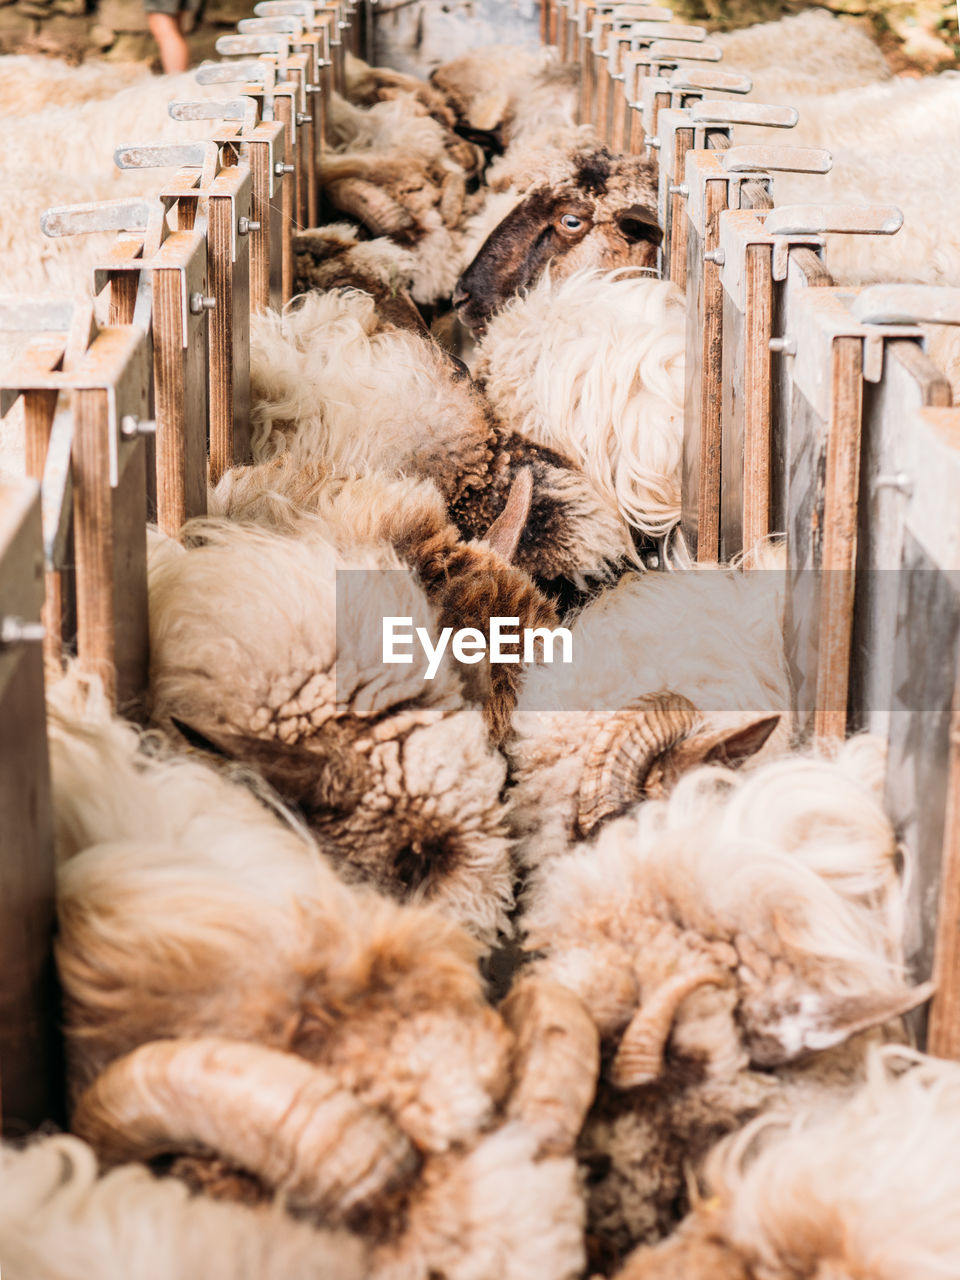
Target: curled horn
[(556, 1061), (378, 212), (503, 536), (623, 751), (639, 1058), (271, 1113)]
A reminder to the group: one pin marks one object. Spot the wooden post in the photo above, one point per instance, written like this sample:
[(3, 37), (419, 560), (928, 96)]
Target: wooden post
[(31, 1072)]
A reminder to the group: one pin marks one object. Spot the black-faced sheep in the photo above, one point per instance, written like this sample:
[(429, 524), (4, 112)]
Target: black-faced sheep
[(600, 210), (853, 1189), (732, 944)]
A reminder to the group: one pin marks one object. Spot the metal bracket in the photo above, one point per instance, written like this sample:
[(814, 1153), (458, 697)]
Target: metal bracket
[(292, 26), (907, 304), (650, 30), (707, 166), (670, 52), (740, 228), (304, 9), (694, 79), (777, 159), (244, 109), (822, 316), (716, 111), (100, 215), (834, 219)]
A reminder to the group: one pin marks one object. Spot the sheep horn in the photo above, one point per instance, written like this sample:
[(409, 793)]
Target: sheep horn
[(378, 212), (503, 536), (639, 1058), (271, 1113), (623, 751), (453, 192), (556, 1061)]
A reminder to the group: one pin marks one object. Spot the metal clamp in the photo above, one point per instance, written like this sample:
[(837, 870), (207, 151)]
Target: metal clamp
[(693, 79), (908, 304), (716, 111), (744, 159)]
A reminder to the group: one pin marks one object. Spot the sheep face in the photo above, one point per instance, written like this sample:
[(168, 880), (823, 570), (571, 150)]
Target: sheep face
[(603, 215)]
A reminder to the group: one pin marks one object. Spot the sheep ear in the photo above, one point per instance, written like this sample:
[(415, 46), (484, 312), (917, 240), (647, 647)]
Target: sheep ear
[(503, 536), (812, 1023), (326, 779), (723, 746), (488, 110), (640, 224)]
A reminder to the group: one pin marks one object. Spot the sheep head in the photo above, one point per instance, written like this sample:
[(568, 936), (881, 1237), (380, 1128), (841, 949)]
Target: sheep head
[(603, 215), (642, 750)]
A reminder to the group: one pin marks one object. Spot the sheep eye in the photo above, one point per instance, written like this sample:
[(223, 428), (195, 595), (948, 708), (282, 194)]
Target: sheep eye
[(571, 222)]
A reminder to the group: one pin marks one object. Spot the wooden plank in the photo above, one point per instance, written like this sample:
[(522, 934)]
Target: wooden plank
[(838, 563), (943, 1032), (229, 323), (39, 408), (180, 376), (757, 422), (710, 407), (31, 1070), (676, 228), (288, 195), (910, 382)]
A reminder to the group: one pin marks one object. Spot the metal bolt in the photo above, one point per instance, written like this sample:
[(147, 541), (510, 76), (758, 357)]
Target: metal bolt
[(898, 480), (303, 118), (679, 189), (716, 256), (201, 302), (246, 225), (280, 169), (654, 142), (783, 346), (132, 426), (15, 630)]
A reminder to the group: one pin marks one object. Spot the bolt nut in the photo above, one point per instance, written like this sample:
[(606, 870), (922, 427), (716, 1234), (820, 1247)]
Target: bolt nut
[(246, 225), (679, 189), (654, 143), (132, 426), (15, 630), (783, 346), (201, 302), (898, 480), (280, 168), (303, 118), (716, 256)]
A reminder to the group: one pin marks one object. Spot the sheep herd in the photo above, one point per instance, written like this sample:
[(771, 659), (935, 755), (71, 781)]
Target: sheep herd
[(449, 968)]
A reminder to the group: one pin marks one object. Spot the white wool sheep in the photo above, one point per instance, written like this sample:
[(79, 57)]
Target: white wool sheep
[(593, 367), (713, 638), (30, 83), (742, 925), (863, 1188), (332, 385), (60, 1221), (271, 647), (225, 920), (517, 91)]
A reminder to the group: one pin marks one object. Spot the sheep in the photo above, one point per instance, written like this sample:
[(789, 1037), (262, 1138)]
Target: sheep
[(701, 674), (60, 1221), (319, 371), (378, 1090), (602, 213), (392, 770), (863, 1187), (401, 174), (592, 366), (366, 85), (469, 583), (334, 257), (730, 961), (509, 93), (30, 84)]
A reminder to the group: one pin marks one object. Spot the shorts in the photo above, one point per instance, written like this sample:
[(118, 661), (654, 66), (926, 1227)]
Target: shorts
[(171, 6)]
